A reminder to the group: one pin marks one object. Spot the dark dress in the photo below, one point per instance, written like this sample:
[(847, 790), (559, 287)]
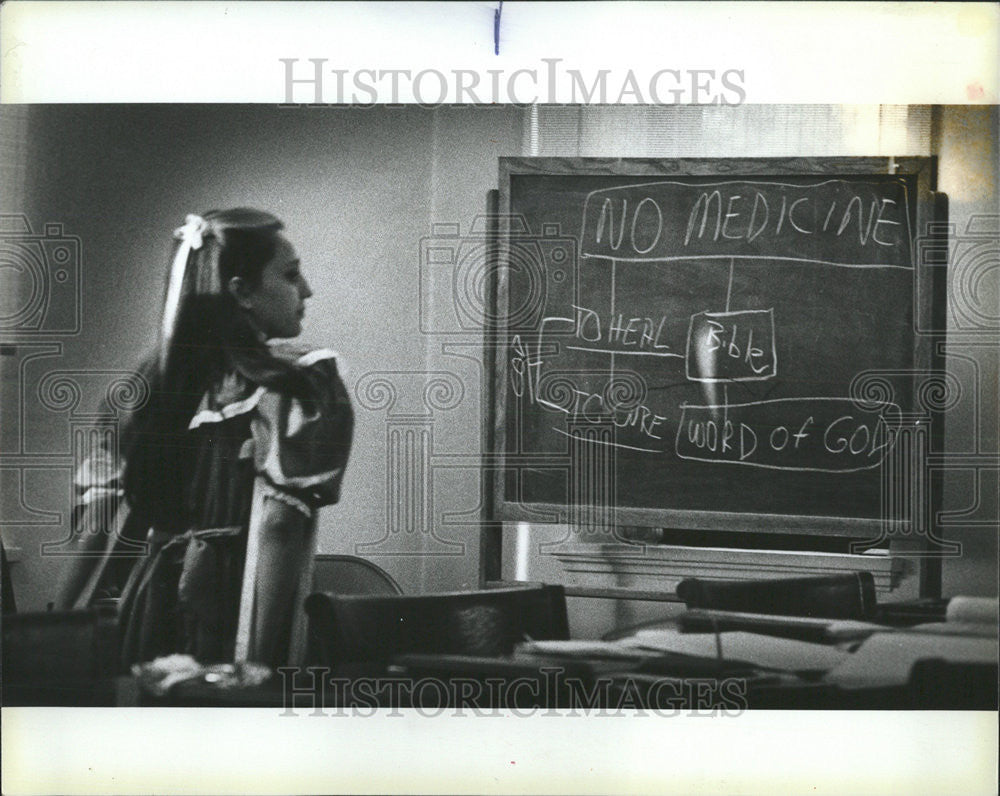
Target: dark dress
[(185, 597)]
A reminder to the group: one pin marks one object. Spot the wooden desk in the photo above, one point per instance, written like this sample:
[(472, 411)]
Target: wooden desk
[(451, 682)]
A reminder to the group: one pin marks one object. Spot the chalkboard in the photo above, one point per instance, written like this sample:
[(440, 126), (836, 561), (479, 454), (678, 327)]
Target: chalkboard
[(726, 344)]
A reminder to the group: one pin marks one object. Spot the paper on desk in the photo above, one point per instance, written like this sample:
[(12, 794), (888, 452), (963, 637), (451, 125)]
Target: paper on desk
[(956, 629), (850, 629), (885, 659), (771, 652), (580, 649), (985, 610), (966, 616)]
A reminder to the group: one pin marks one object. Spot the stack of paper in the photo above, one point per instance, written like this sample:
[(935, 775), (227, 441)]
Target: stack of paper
[(978, 610), (967, 616), (886, 659)]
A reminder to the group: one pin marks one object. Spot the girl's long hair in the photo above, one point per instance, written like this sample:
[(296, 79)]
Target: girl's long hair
[(210, 335)]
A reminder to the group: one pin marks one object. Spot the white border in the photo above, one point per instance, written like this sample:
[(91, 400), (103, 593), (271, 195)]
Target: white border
[(901, 53), (180, 751), (803, 52)]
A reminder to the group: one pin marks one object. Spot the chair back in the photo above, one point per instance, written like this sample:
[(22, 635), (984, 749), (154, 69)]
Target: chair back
[(338, 574), (353, 628), (847, 596)]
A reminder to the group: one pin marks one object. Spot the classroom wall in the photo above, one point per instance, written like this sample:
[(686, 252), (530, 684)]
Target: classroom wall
[(965, 139), (362, 192)]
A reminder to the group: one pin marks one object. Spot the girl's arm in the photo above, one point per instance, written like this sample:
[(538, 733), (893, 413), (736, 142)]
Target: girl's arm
[(93, 522)]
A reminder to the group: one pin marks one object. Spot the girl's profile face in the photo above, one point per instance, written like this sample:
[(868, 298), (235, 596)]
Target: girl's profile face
[(277, 303)]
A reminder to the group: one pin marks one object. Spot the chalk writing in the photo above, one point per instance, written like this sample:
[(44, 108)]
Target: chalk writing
[(846, 223), (620, 333), (819, 434), (619, 400), (744, 296), (738, 223), (523, 369), (732, 346)]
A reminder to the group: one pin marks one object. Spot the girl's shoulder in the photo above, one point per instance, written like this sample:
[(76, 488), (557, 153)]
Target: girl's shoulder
[(322, 371), (304, 356)]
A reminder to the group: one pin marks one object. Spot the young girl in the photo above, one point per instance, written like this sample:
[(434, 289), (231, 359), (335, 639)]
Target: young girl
[(238, 445)]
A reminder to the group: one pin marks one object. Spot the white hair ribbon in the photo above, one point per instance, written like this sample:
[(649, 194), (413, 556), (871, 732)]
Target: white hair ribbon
[(191, 236), (192, 231)]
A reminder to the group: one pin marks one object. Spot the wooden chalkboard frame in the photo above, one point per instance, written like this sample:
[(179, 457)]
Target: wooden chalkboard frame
[(929, 298)]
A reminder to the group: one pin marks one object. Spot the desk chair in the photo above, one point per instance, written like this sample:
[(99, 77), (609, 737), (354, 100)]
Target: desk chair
[(337, 574), (847, 596), (60, 658), (353, 628)]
